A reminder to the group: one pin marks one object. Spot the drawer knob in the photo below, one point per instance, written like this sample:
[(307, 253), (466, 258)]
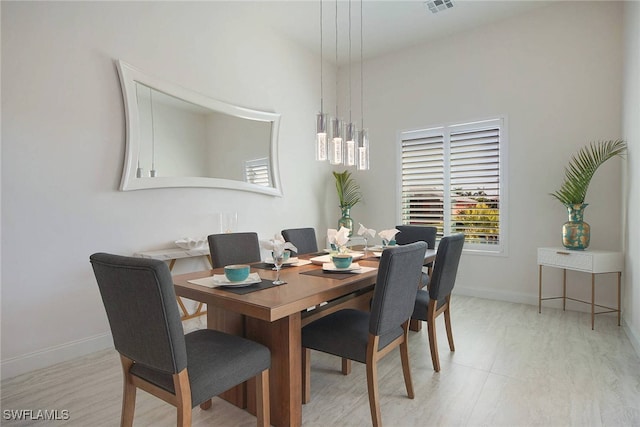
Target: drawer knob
[(562, 253)]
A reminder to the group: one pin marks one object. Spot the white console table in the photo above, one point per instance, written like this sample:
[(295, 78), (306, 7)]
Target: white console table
[(588, 261), (171, 255)]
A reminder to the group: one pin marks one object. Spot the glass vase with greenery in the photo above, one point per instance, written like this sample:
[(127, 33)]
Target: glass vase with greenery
[(572, 193), (348, 195)]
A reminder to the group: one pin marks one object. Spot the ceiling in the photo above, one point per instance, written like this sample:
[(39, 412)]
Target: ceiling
[(387, 25)]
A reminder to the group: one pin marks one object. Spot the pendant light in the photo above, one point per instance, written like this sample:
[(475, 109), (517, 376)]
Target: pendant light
[(335, 146), (350, 130), (321, 118), (336, 142), (362, 161)]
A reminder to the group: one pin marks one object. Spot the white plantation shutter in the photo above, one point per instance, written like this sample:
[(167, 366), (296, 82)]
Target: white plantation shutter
[(257, 172), (451, 178), (422, 183)]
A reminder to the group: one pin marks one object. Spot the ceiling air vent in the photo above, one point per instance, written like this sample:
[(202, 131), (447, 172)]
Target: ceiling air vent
[(436, 6)]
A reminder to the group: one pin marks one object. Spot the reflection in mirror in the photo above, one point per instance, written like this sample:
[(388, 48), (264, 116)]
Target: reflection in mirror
[(178, 138)]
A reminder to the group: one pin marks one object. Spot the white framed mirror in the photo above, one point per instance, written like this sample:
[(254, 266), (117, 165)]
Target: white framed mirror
[(180, 138)]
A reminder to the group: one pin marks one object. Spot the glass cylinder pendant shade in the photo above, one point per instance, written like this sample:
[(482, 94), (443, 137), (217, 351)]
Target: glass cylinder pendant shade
[(321, 137), (335, 146), (362, 160), (350, 145)]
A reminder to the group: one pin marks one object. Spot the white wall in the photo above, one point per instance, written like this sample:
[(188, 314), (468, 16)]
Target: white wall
[(63, 143), (631, 122), (556, 72)]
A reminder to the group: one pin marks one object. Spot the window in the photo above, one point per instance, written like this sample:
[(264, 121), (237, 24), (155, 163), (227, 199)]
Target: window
[(257, 172), (452, 177)]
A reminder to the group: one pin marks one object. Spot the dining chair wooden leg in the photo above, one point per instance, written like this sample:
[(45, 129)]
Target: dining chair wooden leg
[(306, 375), (183, 398), (263, 414), (431, 329), (447, 324), (206, 405), (346, 366), (128, 394), (404, 356), (372, 381)]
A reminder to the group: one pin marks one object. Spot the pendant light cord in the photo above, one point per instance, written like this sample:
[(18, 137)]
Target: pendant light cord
[(336, 57), (350, 61), (361, 73), (321, 63)]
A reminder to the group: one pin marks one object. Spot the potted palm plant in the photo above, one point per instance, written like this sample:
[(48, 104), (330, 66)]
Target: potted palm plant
[(348, 195), (577, 176)]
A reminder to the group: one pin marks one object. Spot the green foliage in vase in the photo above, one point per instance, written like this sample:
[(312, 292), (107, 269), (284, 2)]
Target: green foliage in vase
[(348, 189), (582, 167)]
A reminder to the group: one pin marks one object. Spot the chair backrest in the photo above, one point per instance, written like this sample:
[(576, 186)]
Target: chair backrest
[(140, 302), (416, 233), (234, 248), (396, 287), (304, 239), (446, 266)]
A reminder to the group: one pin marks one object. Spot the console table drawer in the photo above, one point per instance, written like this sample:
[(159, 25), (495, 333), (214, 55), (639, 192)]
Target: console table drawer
[(565, 259), (590, 261)]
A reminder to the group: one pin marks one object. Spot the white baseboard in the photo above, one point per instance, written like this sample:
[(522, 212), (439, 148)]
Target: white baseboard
[(18, 365)]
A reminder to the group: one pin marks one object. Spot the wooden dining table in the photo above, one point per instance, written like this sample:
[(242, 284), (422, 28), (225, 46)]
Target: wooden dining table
[(275, 316)]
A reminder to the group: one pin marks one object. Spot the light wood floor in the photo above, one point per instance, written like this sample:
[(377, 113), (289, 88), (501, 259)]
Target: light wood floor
[(512, 367)]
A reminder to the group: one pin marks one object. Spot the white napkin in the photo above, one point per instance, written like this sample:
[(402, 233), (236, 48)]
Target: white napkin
[(277, 244), (338, 237), (364, 231), (191, 243), (388, 235)]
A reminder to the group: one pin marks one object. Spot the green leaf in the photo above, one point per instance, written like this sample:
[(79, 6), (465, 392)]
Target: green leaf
[(348, 189), (582, 167)]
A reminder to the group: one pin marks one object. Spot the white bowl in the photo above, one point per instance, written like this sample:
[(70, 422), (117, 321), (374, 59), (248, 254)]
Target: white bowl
[(191, 243)]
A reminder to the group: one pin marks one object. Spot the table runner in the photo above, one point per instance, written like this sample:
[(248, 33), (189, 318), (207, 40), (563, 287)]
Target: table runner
[(252, 288)]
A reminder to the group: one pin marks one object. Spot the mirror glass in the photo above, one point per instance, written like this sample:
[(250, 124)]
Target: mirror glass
[(180, 138)]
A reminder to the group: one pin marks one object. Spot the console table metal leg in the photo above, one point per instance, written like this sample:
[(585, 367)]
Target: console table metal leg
[(540, 288), (564, 289), (593, 298), (619, 275)]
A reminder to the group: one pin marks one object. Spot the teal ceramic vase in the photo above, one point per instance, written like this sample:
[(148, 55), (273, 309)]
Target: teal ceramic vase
[(576, 233), (345, 220)]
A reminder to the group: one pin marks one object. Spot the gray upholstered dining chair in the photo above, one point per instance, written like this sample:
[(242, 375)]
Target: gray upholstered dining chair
[(304, 239), (436, 301), (368, 336), (183, 370), (418, 233), (234, 248)]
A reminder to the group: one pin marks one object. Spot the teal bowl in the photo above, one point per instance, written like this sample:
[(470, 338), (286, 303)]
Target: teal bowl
[(342, 260), (236, 272)]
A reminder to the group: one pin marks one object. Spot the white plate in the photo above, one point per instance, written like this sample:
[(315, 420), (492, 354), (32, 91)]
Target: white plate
[(376, 254), (290, 261), (221, 280), (329, 266), (322, 259)]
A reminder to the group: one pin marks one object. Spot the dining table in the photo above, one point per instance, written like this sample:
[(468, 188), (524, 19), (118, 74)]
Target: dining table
[(275, 315)]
